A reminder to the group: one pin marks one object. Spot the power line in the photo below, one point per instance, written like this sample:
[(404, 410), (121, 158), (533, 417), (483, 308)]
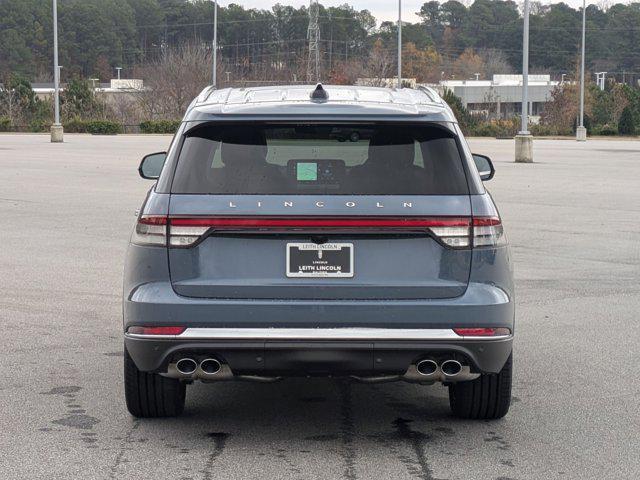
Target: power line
[(273, 19)]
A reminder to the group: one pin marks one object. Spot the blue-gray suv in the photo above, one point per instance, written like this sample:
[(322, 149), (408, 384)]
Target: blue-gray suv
[(318, 231)]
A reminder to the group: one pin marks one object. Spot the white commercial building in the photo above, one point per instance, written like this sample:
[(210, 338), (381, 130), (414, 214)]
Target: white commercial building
[(501, 97)]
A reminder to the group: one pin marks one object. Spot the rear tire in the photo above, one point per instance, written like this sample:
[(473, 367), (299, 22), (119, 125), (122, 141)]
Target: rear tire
[(150, 395), (488, 397)]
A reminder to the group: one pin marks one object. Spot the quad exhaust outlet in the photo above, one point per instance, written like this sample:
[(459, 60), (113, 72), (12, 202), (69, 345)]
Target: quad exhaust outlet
[(426, 371)]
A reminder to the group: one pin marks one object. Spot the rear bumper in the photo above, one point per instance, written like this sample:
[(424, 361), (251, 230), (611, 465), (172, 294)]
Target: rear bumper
[(156, 303), (326, 337), (311, 351)]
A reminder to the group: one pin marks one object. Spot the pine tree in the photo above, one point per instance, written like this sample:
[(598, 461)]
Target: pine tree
[(626, 125)]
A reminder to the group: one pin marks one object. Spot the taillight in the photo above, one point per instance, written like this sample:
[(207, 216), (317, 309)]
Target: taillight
[(150, 230), (156, 330), (456, 237), (488, 232), (482, 332)]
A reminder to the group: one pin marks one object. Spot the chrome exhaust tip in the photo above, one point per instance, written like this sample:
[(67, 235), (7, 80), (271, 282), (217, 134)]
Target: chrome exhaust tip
[(426, 367), (210, 366), (451, 368), (186, 366)]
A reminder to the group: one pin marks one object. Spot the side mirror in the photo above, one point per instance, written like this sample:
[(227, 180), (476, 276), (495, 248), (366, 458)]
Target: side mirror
[(484, 166), (151, 165)]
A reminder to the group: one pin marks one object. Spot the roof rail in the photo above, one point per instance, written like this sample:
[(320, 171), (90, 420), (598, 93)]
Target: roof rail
[(206, 92), (431, 93)]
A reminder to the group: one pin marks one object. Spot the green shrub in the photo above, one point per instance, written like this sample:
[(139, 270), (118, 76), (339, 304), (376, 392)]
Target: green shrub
[(496, 128), (75, 125), (544, 130), (608, 130), (626, 125), (159, 126), (103, 127), (5, 124), (38, 126), (466, 121)]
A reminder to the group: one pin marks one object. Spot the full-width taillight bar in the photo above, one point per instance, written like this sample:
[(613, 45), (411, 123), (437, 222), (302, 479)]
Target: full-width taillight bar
[(321, 222), (453, 231), (456, 232)]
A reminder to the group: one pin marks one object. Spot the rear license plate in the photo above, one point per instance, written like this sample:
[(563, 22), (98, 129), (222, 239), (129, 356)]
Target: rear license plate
[(326, 260)]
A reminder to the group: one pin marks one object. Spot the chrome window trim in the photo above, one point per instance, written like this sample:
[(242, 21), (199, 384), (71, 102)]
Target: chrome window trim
[(317, 334)]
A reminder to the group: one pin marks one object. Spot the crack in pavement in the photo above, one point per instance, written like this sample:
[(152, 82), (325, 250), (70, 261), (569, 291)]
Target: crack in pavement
[(347, 452), (219, 440), (123, 449)]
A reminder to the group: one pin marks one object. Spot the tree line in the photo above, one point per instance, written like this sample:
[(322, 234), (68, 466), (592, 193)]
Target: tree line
[(451, 39)]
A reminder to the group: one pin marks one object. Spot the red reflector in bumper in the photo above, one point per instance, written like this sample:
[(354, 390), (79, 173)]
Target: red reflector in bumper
[(156, 330), (482, 332)]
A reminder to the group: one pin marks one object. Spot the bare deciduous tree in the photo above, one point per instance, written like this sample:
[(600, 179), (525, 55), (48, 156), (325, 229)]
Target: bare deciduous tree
[(379, 66), (495, 62), (173, 80)]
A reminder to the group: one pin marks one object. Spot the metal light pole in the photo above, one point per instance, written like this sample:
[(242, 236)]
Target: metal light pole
[(118, 70), (215, 44), (581, 131), (399, 43), (56, 129), (524, 128), (524, 140)]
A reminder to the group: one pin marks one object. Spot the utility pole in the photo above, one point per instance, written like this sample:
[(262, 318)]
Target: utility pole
[(215, 45), (118, 70), (581, 131), (57, 132), (524, 140), (399, 43), (313, 34)]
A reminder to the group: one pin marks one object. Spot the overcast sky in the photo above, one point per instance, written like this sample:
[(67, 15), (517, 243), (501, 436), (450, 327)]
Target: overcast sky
[(381, 9)]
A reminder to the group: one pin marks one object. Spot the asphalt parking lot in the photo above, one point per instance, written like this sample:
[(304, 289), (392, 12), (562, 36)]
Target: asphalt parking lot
[(573, 222)]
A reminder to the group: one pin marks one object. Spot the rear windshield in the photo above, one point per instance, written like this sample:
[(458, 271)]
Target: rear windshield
[(301, 159)]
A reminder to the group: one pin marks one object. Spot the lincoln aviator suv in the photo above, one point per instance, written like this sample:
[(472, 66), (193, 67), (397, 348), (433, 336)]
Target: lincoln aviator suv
[(318, 231)]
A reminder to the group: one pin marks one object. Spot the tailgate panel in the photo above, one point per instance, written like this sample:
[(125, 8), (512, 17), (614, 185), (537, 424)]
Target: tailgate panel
[(246, 266), (253, 266)]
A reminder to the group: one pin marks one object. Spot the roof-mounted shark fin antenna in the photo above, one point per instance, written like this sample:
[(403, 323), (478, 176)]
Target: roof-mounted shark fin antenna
[(319, 94)]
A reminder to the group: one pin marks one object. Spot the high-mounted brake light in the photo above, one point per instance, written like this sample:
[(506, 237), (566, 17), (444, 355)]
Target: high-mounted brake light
[(150, 230), (482, 332), (172, 330)]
